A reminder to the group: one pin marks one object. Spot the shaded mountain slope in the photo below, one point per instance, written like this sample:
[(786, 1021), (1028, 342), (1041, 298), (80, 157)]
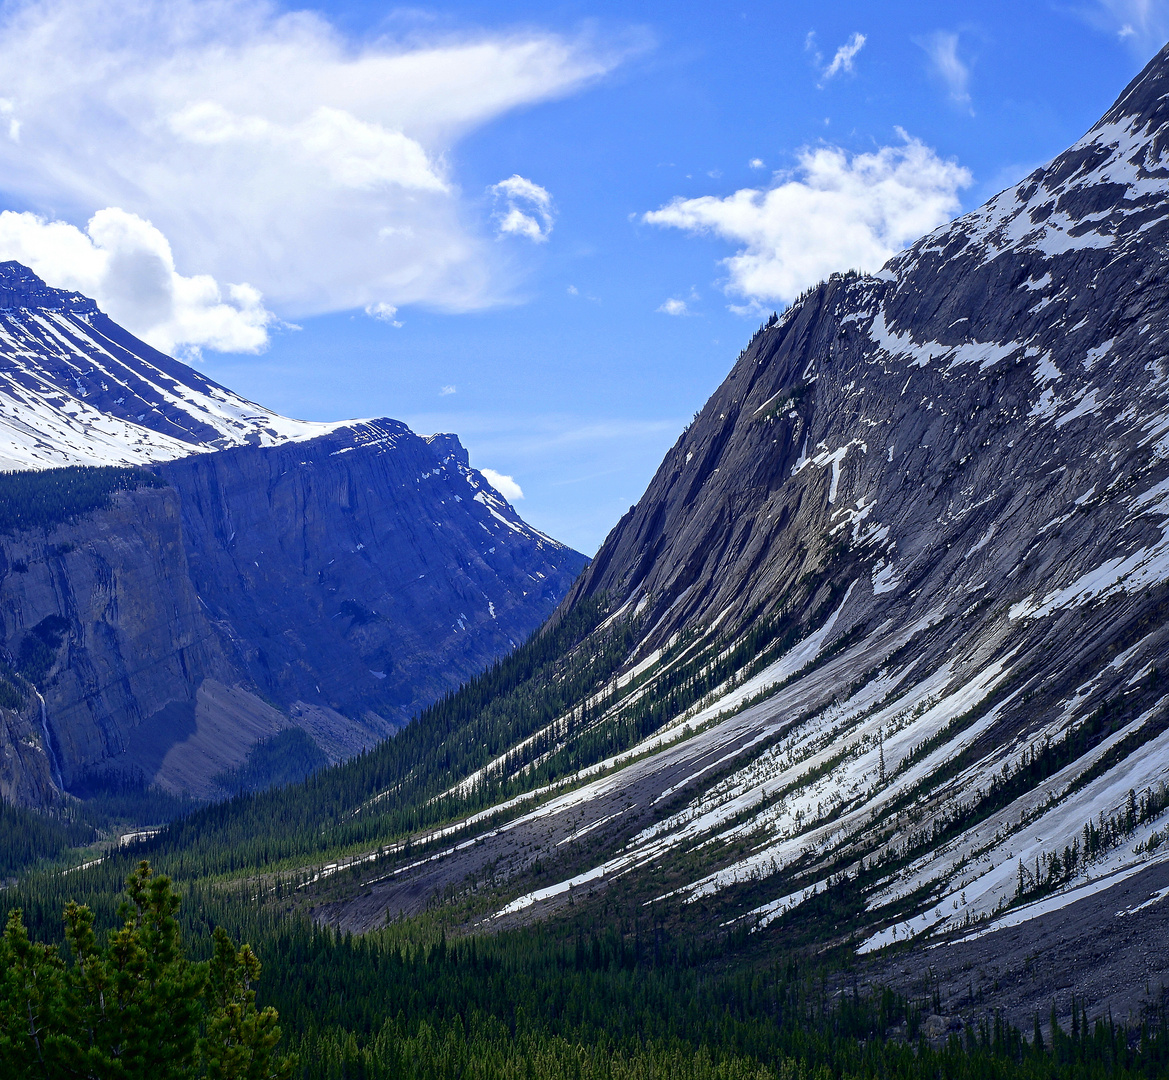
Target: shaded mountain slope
[(896, 599), (267, 573)]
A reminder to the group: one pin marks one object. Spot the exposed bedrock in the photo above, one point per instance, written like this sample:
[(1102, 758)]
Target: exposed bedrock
[(338, 585)]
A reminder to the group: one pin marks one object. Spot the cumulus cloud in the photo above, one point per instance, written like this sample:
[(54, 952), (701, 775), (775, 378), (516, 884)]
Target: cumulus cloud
[(126, 265), (942, 49), (525, 208), (673, 306), (755, 163), (845, 55), (834, 213), (383, 312), (505, 485), (264, 146), (447, 390)]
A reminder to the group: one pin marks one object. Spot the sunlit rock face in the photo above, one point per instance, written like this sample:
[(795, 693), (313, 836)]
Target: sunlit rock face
[(946, 485)]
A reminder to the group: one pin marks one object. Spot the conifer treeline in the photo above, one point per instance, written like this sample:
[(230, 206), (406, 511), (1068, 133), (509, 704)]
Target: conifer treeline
[(610, 1000), (40, 500)]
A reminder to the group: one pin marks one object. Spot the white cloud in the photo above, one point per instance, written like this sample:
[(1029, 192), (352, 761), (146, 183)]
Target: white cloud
[(755, 163), (127, 266), (837, 212), (447, 390), (673, 307), (942, 49), (383, 312), (526, 208), (811, 48), (264, 146), (1142, 24), (845, 55), (505, 485)]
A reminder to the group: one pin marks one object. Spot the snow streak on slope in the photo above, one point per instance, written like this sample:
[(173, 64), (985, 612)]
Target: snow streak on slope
[(964, 461), (77, 389)]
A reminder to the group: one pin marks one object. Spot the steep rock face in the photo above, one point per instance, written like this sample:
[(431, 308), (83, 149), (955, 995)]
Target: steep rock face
[(902, 591), (334, 577), (398, 571), (338, 585), (131, 634)]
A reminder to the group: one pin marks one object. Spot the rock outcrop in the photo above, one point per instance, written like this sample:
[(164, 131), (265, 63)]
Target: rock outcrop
[(273, 573)]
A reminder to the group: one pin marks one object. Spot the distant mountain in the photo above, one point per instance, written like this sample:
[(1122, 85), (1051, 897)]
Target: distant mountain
[(77, 389), (228, 573), (880, 656)]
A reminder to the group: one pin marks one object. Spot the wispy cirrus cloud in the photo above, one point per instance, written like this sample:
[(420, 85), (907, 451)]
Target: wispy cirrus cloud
[(265, 148), (1143, 25), (845, 55), (941, 49), (842, 60), (834, 212)]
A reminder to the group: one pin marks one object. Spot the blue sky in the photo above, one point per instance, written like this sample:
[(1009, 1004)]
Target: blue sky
[(440, 213)]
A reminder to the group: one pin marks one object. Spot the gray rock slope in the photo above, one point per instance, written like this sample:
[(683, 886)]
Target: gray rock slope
[(332, 577), (901, 590)]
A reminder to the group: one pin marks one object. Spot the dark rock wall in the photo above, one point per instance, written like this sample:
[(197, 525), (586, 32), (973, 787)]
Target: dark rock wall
[(339, 585)]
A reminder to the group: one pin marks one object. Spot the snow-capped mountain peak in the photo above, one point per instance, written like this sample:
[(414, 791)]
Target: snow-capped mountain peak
[(77, 389)]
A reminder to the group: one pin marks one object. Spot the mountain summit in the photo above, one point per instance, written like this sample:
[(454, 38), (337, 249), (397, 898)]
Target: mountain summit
[(895, 606), (77, 389), (247, 578)]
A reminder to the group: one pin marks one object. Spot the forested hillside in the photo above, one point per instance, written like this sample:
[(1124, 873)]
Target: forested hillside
[(847, 756)]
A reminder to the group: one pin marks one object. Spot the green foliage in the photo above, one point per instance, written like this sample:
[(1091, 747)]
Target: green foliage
[(27, 837), (241, 1039), (135, 1008), (617, 997), (113, 799), (11, 696), (43, 499), (286, 758)]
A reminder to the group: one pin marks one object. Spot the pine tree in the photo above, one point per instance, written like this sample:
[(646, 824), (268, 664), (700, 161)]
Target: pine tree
[(32, 986), (241, 1040), (133, 1009)]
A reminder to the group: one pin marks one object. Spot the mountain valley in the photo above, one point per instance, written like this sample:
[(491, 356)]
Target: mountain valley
[(884, 636), (846, 755)]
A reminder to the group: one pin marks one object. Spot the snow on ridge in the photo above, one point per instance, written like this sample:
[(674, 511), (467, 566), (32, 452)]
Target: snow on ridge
[(71, 395)]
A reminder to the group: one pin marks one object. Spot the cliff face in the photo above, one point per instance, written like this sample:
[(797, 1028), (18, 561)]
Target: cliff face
[(338, 585), (900, 594), (397, 570)]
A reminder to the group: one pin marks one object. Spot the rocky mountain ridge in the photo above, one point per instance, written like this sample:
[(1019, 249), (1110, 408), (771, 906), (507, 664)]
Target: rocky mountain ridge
[(258, 575), (77, 389), (897, 603)]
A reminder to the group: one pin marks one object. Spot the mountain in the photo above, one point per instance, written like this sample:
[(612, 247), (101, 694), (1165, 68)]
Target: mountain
[(226, 581), (77, 389), (879, 657)]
